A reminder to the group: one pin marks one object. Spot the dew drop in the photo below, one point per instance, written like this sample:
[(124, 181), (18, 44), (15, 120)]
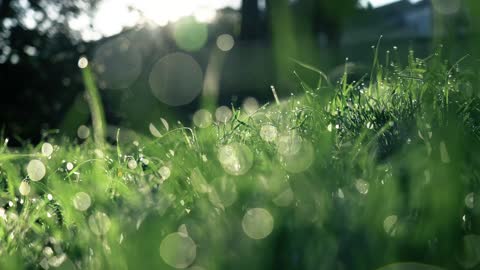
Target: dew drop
[(82, 62), (81, 201), (154, 131), (47, 149), (132, 164), (36, 170), (164, 172), (24, 188)]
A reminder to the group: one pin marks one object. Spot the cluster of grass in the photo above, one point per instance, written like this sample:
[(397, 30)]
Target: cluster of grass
[(376, 173)]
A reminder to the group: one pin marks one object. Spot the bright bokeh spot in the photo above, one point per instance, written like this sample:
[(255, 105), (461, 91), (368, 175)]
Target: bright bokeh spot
[(99, 223), (202, 118), (24, 188), (164, 172), (250, 105), (257, 223), (223, 114), (82, 62), (36, 170), (81, 201), (83, 132), (132, 164), (225, 42), (178, 250), (190, 35), (236, 158), (47, 149), (154, 131), (176, 79)]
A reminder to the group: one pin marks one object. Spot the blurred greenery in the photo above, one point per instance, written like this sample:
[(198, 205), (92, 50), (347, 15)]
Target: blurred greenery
[(368, 162), (349, 175)]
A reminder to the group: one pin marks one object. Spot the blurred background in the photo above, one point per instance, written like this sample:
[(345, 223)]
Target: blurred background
[(160, 58)]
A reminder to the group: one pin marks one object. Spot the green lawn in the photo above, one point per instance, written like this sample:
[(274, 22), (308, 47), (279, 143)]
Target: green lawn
[(381, 172)]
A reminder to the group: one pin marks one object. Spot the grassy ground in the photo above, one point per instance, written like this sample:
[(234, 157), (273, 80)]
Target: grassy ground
[(377, 173)]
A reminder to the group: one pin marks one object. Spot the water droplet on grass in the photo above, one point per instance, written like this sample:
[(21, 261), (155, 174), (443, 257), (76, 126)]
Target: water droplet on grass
[(164, 172), (36, 170), (257, 223), (69, 166), (178, 250), (81, 201), (132, 164), (154, 131), (24, 188), (47, 149)]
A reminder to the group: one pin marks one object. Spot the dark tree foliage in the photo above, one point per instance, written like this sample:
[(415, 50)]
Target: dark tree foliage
[(38, 64)]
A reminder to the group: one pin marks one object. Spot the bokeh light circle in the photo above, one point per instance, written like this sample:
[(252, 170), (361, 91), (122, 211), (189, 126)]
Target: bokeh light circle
[(99, 223), (202, 118), (36, 170), (225, 42), (81, 201), (189, 34), (257, 223), (236, 158), (117, 63), (299, 160), (176, 79), (47, 149), (178, 250)]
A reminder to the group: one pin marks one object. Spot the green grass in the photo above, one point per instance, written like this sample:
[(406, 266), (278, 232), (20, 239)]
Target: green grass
[(362, 175)]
